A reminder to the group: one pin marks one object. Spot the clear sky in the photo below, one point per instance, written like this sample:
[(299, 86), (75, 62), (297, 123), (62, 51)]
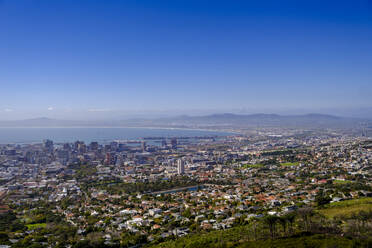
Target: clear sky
[(75, 58)]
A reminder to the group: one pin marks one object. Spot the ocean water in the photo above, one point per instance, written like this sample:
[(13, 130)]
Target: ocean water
[(102, 135)]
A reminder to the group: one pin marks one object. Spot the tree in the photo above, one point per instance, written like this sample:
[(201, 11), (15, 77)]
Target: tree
[(306, 214), (283, 222), (271, 221), (4, 238), (129, 240), (322, 199), (291, 218)]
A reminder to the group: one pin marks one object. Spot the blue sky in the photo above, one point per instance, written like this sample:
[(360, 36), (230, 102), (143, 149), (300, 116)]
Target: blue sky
[(75, 58)]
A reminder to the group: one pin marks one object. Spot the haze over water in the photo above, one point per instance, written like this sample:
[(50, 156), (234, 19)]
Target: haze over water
[(34, 135)]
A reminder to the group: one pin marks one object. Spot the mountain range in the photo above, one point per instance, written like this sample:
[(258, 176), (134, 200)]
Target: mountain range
[(214, 120)]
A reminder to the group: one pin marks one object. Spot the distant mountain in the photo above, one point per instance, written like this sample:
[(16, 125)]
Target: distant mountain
[(228, 119), (214, 120)]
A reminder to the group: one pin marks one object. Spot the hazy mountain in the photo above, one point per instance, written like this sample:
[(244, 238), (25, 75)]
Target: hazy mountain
[(214, 120), (254, 120)]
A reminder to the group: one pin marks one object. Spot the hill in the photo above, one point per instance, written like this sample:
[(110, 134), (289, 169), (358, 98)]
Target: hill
[(260, 120)]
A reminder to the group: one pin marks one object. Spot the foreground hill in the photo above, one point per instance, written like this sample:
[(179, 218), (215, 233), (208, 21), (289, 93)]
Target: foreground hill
[(339, 224), (216, 240)]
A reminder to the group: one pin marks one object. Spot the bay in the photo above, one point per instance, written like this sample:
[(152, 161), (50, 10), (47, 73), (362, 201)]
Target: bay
[(102, 135)]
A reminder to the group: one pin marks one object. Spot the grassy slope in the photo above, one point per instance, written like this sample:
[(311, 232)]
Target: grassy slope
[(346, 208), (35, 226)]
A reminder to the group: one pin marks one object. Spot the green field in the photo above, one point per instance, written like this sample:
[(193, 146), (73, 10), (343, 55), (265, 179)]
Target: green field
[(36, 226), (290, 164), (245, 166), (347, 208), (340, 182)]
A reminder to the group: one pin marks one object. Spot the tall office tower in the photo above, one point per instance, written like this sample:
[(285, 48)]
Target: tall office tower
[(110, 158), (174, 143), (114, 146), (66, 147), (81, 147), (180, 167), (48, 144), (119, 160), (93, 146), (143, 146)]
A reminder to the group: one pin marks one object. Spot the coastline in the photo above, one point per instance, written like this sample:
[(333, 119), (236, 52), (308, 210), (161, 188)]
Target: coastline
[(118, 127), (98, 133)]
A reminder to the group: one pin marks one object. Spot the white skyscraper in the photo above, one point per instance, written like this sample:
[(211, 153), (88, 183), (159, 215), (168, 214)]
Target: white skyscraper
[(180, 167)]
